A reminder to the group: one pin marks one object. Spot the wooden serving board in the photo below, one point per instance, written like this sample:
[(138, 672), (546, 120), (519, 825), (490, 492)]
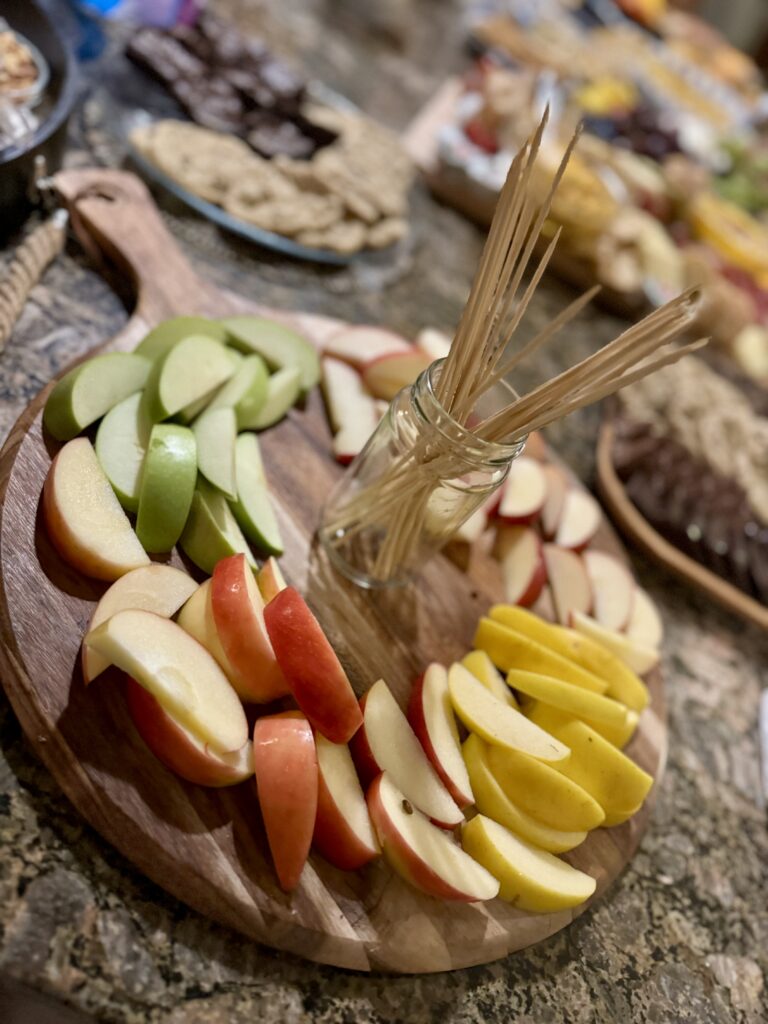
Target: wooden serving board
[(207, 847), (634, 524)]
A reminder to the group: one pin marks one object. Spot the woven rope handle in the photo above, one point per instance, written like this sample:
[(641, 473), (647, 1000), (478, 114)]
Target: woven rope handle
[(27, 267)]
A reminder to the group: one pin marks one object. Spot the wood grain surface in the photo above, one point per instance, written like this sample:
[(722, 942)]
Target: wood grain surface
[(634, 524), (207, 847)]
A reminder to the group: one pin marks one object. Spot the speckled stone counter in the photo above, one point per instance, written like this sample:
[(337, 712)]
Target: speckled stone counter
[(682, 936)]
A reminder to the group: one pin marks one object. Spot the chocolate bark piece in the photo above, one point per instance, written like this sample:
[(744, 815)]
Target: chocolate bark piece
[(164, 57)]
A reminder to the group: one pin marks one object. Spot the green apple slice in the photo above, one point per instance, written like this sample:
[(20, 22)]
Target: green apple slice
[(162, 338), (283, 389), (121, 443), (253, 508), (177, 670), (279, 345), (212, 532), (91, 389), (192, 369), (194, 409), (215, 432), (167, 485), (246, 392)]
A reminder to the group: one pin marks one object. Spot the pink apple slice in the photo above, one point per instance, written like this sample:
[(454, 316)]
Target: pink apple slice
[(386, 742), (645, 626), (351, 409), (435, 343), (613, 589), (388, 374), (557, 488), (359, 345), (579, 520), (430, 713), (519, 551), (524, 492), (343, 831), (422, 854), (571, 590)]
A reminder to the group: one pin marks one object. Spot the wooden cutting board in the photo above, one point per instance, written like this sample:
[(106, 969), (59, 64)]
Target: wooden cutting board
[(207, 847)]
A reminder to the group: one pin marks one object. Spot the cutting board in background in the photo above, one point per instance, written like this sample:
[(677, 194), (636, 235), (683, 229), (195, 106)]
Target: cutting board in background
[(207, 847)]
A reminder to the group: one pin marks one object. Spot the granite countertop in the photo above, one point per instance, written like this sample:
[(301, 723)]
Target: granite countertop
[(683, 934)]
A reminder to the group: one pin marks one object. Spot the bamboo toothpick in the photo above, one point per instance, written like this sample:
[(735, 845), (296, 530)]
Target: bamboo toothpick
[(393, 511)]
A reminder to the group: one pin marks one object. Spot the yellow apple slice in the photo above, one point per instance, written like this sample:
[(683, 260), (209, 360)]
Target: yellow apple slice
[(154, 588), (83, 395), (613, 779), (507, 648), (567, 697), (549, 719), (179, 673), (191, 369), (532, 879), (420, 852), (494, 802), (495, 721), (84, 519), (576, 647), (481, 666), (638, 657), (544, 792)]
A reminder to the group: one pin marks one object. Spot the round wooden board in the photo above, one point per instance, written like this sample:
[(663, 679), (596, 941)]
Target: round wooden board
[(207, 847), (634, 524)]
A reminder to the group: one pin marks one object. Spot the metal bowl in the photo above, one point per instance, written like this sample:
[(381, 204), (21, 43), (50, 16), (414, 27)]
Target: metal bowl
[(17, 161)]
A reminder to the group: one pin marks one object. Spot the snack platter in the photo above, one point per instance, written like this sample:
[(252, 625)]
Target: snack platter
[(207, 846)]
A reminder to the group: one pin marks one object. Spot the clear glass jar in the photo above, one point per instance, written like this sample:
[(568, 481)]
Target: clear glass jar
[(419, 477)]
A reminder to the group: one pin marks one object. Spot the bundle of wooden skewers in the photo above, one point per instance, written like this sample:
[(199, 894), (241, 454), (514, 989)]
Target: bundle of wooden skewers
[(393, 511)]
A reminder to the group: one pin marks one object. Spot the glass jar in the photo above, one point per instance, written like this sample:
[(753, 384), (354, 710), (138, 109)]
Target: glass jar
[(420, 476)]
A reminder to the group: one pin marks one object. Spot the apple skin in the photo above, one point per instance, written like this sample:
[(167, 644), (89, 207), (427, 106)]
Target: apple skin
[(238, 611), (333, 838), (403, 859), (418, 722), (310, 665), (285, 763), (172, 744)]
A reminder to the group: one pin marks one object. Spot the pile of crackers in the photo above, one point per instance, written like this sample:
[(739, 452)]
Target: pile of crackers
[(351, 195)]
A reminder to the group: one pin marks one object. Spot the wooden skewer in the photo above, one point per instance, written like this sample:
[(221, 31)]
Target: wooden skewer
[(394, 510)]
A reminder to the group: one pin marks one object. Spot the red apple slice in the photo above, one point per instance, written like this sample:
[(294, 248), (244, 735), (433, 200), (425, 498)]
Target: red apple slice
[(155, 588), (557, 488), (343, 831), (519, 551), (179, 749), (430, 713), (385, 376), (309, 663), (422, 854), (579, 520), (568, 580), (613, 589), (645, 626), (434, 343), (285, 763), (270, 579), (359, 345), (386, 742), (523, 493), (351, 409), (238, 611)]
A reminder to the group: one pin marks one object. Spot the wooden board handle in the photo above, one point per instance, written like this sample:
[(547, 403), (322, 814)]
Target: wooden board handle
[(113, 213)]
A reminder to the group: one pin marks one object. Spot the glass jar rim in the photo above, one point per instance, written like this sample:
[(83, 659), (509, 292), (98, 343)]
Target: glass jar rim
[(476, 447)]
